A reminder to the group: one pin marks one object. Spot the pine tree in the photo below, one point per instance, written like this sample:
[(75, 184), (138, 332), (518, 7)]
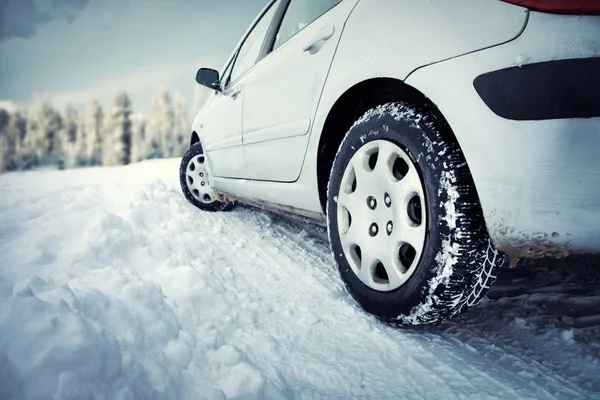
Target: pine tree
[(6, 150), (81, 159), (93, 122), (116, 149), (42, 142), (12, 133), (159, 132), (17, 129), (70, 137), (138, 138)]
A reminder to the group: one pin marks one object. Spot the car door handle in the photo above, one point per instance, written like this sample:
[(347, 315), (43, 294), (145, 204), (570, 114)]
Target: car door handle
[(322, 35)]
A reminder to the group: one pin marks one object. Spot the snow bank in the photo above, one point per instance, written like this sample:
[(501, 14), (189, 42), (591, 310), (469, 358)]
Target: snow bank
[(113, 287)]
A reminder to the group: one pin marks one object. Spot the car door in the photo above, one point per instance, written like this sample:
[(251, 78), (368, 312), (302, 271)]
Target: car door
[(221, 128), (220, 133), (281, 94)]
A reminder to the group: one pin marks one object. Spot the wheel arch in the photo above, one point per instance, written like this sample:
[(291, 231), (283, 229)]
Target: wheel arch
[(353, 103), (194, 138)]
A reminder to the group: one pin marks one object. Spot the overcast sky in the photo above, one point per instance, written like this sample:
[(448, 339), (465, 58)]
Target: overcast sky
[(77, 50)]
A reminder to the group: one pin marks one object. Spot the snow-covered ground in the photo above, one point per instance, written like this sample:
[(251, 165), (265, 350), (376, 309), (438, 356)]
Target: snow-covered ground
[(113, 287)]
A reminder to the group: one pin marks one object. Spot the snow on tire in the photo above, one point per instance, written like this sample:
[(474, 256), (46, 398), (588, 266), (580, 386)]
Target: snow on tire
[(194, 179), (404, 219)]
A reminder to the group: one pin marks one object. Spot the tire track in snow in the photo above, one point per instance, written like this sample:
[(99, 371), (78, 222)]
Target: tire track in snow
[(483, 352), (247, 225)]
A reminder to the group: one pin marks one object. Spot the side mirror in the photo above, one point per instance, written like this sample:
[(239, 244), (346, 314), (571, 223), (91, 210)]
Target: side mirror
[(209, 78)]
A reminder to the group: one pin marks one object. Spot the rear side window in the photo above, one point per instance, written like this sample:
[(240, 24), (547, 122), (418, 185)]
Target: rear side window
[(251, 48), (299, 14)]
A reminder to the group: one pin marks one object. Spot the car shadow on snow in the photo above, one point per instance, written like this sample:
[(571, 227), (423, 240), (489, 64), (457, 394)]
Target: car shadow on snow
[(546, 294), (540, 320)]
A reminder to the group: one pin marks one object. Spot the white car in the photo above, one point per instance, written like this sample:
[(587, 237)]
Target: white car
[(436, 138)]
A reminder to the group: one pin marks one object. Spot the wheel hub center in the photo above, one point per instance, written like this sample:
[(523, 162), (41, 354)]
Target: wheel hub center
[(382, 215)]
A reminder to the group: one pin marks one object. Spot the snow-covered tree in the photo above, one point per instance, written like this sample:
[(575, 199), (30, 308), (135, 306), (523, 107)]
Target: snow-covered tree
[(70, 137), (42, 145), (93, 126), (181, 126), (116, 144), (16, 131), (7, 149), (138, 138), (41, 136), (81, 159), (159, 131)]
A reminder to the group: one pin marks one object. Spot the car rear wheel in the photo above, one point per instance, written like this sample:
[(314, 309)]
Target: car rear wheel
[(195, 181), (405, 224)]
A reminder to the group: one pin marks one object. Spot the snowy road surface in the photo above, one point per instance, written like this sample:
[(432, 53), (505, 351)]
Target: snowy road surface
[(113, 287)]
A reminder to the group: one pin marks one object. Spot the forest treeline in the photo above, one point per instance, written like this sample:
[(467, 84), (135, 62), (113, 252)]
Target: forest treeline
[(42, 136)]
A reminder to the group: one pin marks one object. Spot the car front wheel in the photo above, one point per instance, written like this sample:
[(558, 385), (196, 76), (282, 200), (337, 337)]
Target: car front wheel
[(194, 179), (405, 224)]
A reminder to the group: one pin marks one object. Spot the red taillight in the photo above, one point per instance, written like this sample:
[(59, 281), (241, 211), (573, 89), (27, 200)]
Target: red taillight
[(580, 7)]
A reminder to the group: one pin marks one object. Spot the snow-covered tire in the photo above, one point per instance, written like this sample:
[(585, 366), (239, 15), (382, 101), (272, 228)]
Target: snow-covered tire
[(457, 262), (194, 180)]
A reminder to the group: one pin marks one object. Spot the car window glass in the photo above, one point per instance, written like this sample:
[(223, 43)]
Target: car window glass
[(250, 50), (299, 14)]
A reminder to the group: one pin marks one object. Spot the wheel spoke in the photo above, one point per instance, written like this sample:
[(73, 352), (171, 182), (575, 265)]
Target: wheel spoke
[(361, 173), (205, 190), (366, 269), (412, 181), (353, 236), (187, 181), (351, 201), (407, 232), (386, 152), (193, 185), (395, 277)]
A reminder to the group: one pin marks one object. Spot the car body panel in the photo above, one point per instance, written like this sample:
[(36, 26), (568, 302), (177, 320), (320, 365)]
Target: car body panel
[(355, 63), (220, 131), (281, 95), (218, 123), (393, 38), (538, 181), (282, 131), (362, 56)]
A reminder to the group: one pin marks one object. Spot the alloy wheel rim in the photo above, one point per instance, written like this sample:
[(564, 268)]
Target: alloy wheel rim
[(196, 179), (382, 215)]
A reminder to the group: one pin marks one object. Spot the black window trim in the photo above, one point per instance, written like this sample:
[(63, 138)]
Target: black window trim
[(269, 37), (274, 28)]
